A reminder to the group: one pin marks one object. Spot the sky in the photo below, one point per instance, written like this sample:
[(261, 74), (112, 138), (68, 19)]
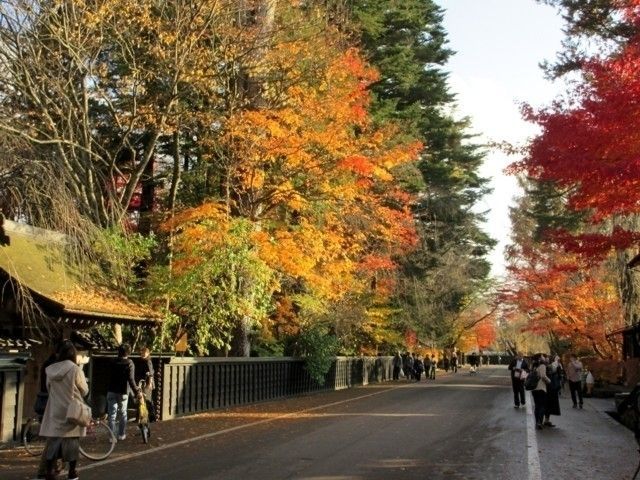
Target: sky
[(499, 45)]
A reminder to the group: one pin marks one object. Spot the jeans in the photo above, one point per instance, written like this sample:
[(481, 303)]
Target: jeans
[(117, 402), (576, 387), (539, 400)]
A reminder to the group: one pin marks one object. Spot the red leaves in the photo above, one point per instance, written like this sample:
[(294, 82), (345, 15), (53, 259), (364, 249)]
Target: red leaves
[(590, 148), (595, 246)]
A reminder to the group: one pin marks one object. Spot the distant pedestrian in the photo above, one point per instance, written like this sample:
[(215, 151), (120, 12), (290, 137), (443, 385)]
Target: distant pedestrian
[(418, 368), (65, 382), (397, 366), (473, 362), (122, 376), (454, 362), (555, 373), (540, 392), (433, 366), (445, 363), (574, 377), (589, 382), (407, 366), (519, 369)]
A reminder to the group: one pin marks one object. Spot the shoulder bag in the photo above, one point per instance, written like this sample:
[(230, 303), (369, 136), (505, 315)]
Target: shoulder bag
[(78, 412)]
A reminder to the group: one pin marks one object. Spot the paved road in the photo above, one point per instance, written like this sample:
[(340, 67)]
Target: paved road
[(458, 427)]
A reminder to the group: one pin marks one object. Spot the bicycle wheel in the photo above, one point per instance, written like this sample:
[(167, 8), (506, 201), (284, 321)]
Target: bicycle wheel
[(33, 442), (99, 441)]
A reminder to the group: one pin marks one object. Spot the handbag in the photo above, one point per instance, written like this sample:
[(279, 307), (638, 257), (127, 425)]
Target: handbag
[(79, 413), (41, 402)]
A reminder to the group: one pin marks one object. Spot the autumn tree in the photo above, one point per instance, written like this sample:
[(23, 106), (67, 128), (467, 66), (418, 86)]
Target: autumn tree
[(94, 87), (311, 174), (563, 297), (588, 153)]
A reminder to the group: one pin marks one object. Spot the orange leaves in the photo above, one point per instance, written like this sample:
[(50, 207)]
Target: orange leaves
[(562, 294), (358, 164), (307, 168), (485, 333)]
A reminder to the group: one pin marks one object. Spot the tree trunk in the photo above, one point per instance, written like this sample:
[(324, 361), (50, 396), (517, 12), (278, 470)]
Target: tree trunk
[(628, 288)]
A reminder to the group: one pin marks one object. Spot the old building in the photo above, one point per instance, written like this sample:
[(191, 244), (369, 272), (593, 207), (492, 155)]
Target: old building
[(46, 296)]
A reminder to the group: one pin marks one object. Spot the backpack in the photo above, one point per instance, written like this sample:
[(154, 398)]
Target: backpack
[(532, 380)]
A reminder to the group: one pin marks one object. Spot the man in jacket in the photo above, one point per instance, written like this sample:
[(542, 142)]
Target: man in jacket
[(122, 376), (517, 366), (574, 376)]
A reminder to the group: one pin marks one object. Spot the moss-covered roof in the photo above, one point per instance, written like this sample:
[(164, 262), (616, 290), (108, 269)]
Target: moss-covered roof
[(36, 259)]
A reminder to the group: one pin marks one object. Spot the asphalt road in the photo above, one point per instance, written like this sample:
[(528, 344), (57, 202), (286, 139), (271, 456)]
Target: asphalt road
[(459, 426)]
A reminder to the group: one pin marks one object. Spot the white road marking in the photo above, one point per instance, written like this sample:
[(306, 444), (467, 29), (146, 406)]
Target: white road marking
[(533, 459)]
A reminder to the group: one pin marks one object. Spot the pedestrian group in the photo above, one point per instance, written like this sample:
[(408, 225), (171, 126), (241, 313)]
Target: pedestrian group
[(545, 377)]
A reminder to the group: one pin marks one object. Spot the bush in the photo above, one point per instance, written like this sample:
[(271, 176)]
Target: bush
[(318, 348)]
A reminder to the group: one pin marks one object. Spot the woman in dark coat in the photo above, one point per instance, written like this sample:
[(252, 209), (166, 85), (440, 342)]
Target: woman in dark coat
[(552, 406)]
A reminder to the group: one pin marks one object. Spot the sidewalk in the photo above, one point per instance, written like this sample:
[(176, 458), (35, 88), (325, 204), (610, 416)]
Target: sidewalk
[(587, 443)]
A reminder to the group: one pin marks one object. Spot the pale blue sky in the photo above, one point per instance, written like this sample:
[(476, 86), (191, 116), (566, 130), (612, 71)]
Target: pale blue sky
[(499, 45)]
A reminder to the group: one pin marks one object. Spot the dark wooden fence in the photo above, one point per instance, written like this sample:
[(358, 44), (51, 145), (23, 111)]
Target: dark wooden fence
[(192, 385)]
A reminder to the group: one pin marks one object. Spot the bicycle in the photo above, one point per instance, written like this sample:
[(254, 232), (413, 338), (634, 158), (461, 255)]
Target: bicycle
[(143, 414), (98, 443), (31, 439)]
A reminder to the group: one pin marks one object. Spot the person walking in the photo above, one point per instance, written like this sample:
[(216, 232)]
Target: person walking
[(454, 362), (574, 376), (146, 373), (433, 366), (540, 392), (397, 366), (122, 376), (555, 373), (407, 366), (519, 368), (473, 362), (445, 363), (427, 366), (65, 382), (40, 407), (589, 382), (418, 368)]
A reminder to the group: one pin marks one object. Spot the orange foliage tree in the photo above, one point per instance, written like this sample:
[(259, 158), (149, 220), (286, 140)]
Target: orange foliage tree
[(310, 173), (564, 296)]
